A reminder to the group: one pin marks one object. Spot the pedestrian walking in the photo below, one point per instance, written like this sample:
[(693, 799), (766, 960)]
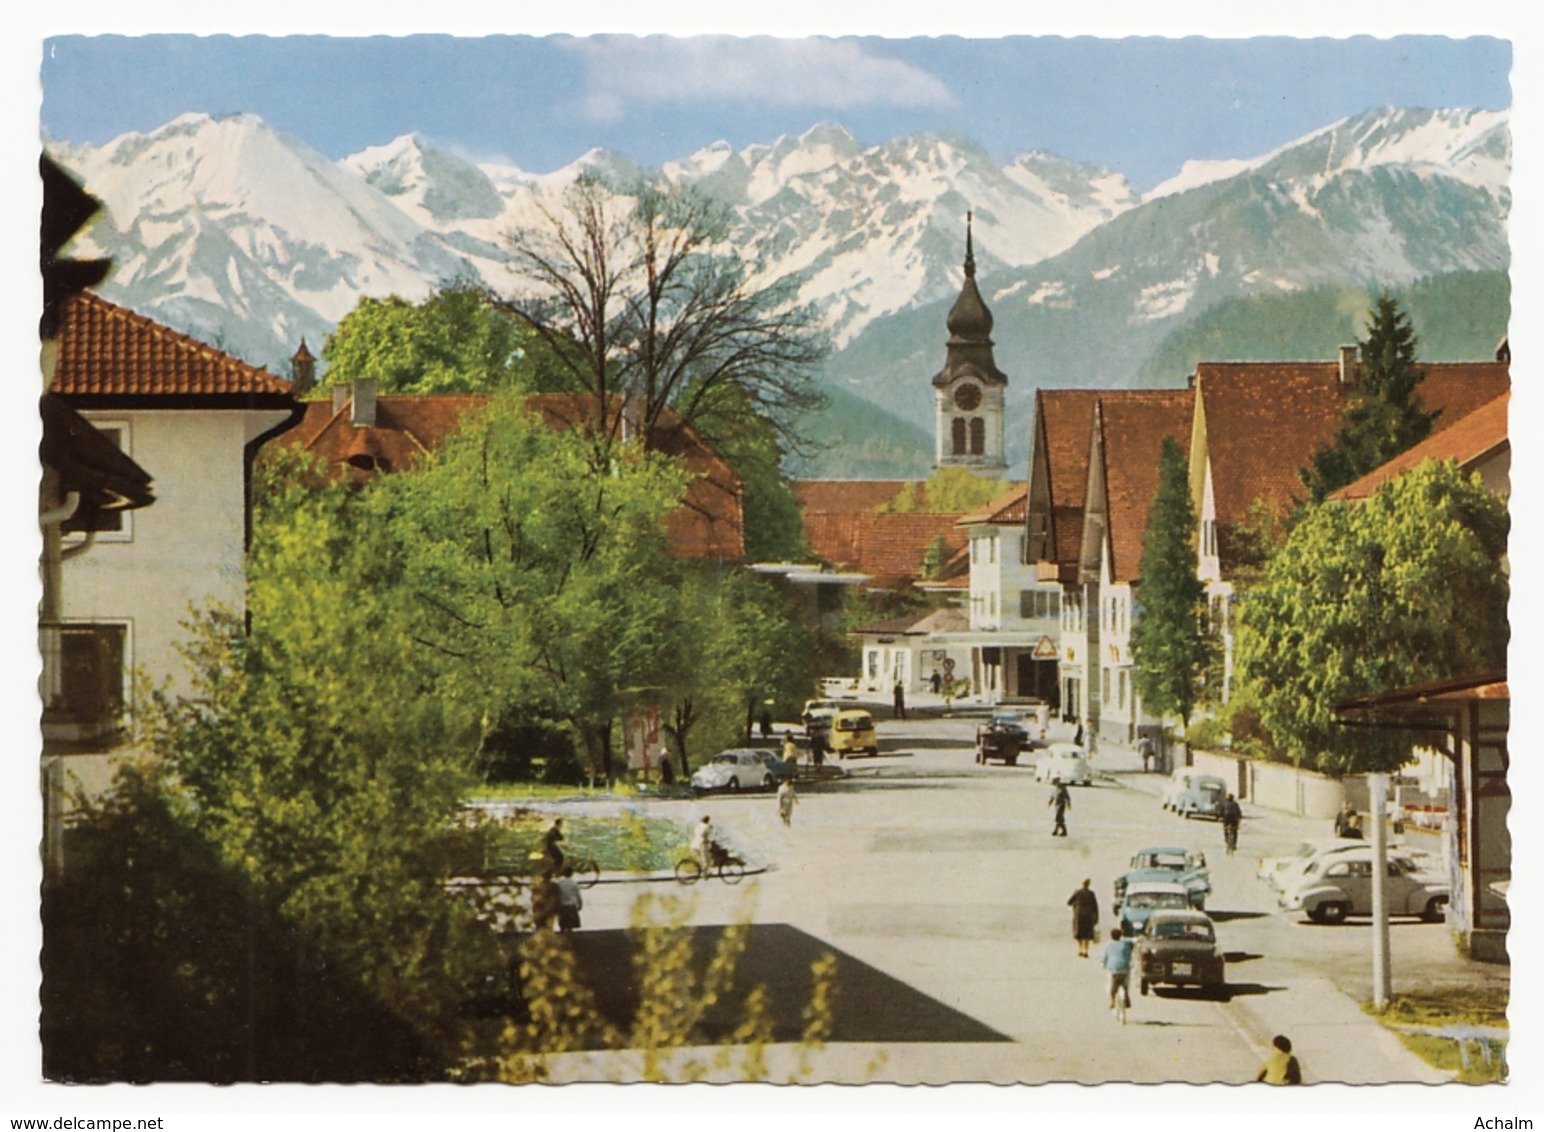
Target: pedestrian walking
[(900, 700), (544, 901), (569, 901), (550, 847), (1231, 815), (1059, 801), (790, 749), (1281, 1067), (1145, 749), (1345, 821), (785, 801), (1085, 917), (1117, 966), (766, 723), (818, 746), (937, 682)]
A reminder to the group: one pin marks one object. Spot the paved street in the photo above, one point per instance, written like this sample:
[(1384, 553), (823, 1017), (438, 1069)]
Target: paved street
[(940, 878)]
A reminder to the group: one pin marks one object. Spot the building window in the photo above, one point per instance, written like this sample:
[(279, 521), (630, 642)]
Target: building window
[(1040, 604), (1104, 685), (1209, 538), (977, 436), (104, 522), (958, 426), (991, 604), (1125, 677), (991, 549)]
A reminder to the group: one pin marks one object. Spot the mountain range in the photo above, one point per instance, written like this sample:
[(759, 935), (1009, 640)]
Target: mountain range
[(232, 232)]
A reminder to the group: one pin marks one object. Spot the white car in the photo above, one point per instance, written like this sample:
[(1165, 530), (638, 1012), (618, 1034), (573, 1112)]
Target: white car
[(743, 768), (1314, 870), (1180, 781), (1273, 870), (1066, 761), (1344, 888)]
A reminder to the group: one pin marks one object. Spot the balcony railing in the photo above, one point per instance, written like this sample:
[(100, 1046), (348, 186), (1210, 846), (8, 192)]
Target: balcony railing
[(82, 683)]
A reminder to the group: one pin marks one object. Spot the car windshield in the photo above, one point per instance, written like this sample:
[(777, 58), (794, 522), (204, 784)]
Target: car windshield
[(1184, 929), (1157, 900), (729, 759), (853, 723), (1158, 861)]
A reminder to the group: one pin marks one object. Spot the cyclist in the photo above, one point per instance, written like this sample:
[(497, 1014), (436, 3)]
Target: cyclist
[(1117, 963), (703, 846), (550, 847), (1231, 815)]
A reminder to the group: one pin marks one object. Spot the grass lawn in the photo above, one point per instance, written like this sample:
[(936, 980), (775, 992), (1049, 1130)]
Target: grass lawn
[(617, 844), (1453, 1011)]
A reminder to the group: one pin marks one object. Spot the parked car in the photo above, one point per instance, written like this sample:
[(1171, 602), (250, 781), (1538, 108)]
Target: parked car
[(1178, 783), (1344, 888), (743, 768), (1275, 870), (852, 733), (1178, 947), (818, 713), (1143, 898), (1001, 737), (1202, 798), (1066, 761), (1186, 867), (1314, 866)]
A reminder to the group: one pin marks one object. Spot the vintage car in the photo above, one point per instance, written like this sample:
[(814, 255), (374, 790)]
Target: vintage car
[(1143, 898), (852, 733), (1178, 947), (1343, 887), (1202, 798), (818, 713), (1169, 863), (1003, 737), (1275, 871), (1064, 761), (743, 768), (1177, 784)]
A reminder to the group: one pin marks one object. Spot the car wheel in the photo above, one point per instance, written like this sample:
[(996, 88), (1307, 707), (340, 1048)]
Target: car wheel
[(1012, 760), (1316, 915), (733, 784), (1436, 910), (766, 782), (1145, 985), (1333, 912)]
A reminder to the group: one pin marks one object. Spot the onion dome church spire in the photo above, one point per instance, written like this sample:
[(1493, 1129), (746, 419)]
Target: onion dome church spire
[(969, 391)]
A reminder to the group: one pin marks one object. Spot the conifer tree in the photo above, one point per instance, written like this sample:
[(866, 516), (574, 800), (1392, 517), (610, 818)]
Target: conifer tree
[(1385, 418), (1171, 640)]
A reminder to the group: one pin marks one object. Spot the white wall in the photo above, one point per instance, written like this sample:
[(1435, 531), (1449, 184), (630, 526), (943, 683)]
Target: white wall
[(185, 549)]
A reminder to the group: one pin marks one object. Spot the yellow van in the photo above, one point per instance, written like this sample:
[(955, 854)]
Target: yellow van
[(852, 733)]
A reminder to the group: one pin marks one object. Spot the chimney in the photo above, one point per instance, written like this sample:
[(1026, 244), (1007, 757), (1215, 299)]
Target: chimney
[(302, 371), (340, 395), (364, 403), (1349, 366)]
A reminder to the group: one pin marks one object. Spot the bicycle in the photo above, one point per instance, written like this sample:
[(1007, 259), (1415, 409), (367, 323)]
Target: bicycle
[(1122, 1001), (1230, 838), (586, 869), (729, 868)]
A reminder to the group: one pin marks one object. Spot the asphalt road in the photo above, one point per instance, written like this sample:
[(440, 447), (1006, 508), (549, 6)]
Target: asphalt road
[(938, 886)]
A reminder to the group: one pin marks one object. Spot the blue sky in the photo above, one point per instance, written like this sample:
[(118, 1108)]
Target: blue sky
[(1140, 105)]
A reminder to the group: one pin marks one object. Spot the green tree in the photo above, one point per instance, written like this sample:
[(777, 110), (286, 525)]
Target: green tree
[(1171, 641), (454, 341), (1385, 417), (536, 578), (774, 520), (643, 311), (948, 491), (1408, 587), (316, 757)]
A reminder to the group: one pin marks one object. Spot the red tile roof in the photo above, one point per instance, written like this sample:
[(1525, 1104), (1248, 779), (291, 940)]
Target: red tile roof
[(888, 547), (1265, 420), (1468, 440), (847, 496), (946, 620), (108, 354), (1064, 423), (1007, 509), (710, 523), (1135, 423)]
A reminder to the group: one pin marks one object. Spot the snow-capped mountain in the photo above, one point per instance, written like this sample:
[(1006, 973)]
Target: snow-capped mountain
[(232, 232)]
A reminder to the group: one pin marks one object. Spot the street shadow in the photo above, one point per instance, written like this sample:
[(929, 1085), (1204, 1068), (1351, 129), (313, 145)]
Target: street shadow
[(1240, 956), (869, 1005), (1225, 917), (1248, 990), (924, 743)]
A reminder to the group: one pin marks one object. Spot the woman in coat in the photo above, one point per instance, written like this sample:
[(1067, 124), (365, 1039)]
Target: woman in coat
[(1085, 917)]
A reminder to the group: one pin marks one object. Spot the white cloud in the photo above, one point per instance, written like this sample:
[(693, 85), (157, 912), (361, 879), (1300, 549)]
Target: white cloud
[(826, 73)]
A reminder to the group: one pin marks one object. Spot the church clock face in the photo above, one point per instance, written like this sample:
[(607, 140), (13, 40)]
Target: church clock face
[(967, 397)]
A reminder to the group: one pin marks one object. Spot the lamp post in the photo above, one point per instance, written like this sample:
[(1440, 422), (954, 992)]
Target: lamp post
[(1377, 791)]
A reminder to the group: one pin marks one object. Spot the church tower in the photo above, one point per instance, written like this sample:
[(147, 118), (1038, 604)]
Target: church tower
[(969, 392)]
